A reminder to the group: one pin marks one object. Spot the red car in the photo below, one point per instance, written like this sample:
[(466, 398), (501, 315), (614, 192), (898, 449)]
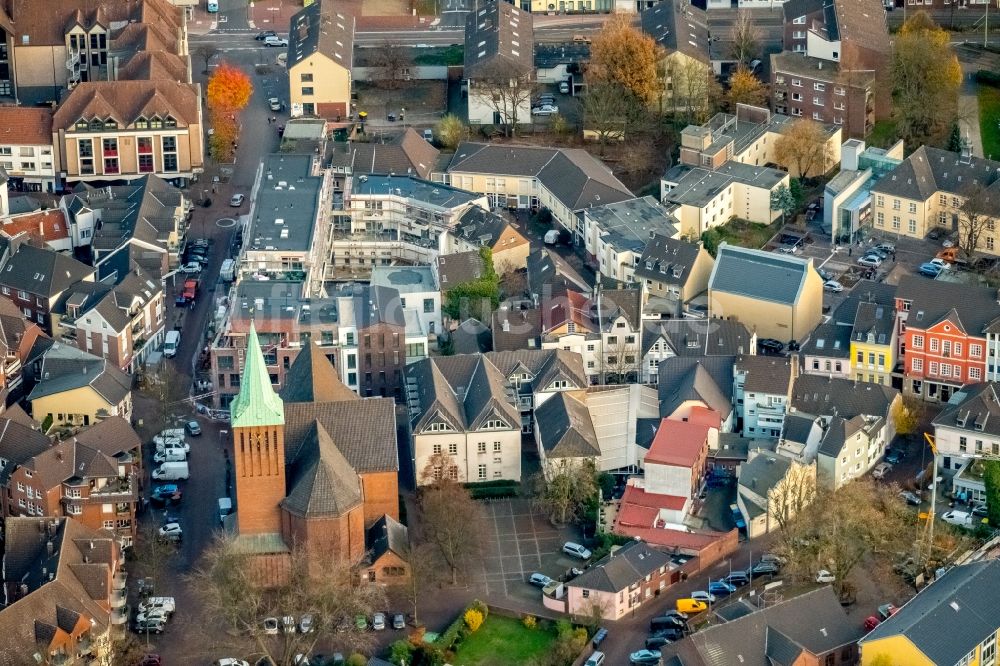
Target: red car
[(190, 290)]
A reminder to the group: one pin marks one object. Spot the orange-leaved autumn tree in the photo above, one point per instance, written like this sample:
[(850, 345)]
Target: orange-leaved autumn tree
[(222, 141), (229, 89), (622, 54)]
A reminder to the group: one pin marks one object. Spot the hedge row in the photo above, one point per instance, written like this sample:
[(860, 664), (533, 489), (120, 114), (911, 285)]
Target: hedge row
[(988, 78), (446, 640)]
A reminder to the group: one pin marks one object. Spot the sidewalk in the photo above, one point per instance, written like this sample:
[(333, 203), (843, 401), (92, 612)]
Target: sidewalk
[(968, 109)]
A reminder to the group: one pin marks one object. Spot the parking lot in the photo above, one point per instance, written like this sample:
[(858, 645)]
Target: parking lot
[(522, 542)]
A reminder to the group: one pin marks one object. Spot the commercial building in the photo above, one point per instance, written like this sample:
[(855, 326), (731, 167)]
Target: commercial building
[(847, 200), (26, 149)]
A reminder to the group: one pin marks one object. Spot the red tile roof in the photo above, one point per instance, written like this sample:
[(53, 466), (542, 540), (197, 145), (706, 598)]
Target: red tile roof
[(47, 225), (25, 126), (636, 498), (705, 416), (695, 541), (678, 443)]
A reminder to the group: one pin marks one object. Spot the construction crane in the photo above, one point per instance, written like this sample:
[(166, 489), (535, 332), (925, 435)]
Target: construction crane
[(925, 544)]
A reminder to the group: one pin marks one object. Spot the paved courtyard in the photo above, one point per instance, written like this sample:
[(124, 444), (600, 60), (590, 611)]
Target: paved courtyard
[(522, 542)]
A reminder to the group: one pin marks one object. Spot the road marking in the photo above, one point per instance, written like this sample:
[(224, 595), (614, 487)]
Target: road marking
[(496, 530)]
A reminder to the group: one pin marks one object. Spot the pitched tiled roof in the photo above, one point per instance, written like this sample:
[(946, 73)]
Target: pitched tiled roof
[(500, 33), (363, 430), (951, 616), (387, 535), (765, 374), (465, 388), (863, 23), (574, 176), (678, 26), (976, 409), (42, 272), (706, 379), (320, 28), (698, 337), (928, 171), (678, 443), (312, 378), (156, 65), (45, 226), (763, 472), (625, 566), (126, 101), (765, 276), (49, 27), (110, 436), (545, 365), (409, 153), (473, 337), (25, 125), (513, 329), (972, 308), (324, 484), (565, 428), (616, 303), (835, 396), (65, 368), (483, 227), (18, 444), (667, 260)]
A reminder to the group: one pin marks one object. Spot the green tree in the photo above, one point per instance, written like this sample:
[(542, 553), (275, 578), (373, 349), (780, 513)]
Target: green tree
[(451, 131), (991, 478), (401, 653), (955, 141), (783, 200), (476, 298), (564, 495)]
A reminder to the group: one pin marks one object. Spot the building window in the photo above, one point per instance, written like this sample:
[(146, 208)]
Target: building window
[(913, 226), (453, 449), (839, 91), (912, 208), (482, 472), (307, 78), (307, 90), (168, 145), (879, 200), (85, 148), (895, 204), (942, 199), (935, 345), (482, 447), (797, 83), (880, 219), (975, 351), (895, 222), (918, 365), (918, 342), (975, 373)]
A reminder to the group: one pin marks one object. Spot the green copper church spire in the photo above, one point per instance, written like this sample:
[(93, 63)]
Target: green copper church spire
[(257, 404)]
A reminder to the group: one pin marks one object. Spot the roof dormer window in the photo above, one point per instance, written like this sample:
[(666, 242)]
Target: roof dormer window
[(110, 123), (82, 125), (155, 122), (96, 125), (170, 121), (141, 123)]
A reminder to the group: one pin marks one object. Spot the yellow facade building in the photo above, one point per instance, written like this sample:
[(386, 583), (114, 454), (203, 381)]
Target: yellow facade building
[(320, 57)]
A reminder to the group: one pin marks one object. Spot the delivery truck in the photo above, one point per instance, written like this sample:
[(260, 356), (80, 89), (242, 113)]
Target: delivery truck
[(171, 471)]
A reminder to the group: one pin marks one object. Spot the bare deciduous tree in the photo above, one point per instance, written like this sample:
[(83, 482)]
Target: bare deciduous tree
[(391, 61), (206, 52), (611, 111), (746, 37), (506, 89), (694, 90), (564, 490), (449, 515), (791, 496), (803, 147), (976, 216), (229, 584)]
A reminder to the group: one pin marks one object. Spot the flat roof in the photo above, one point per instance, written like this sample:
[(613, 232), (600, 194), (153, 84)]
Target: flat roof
[(695, 186), (404, 279), (279, 300), (629, 224), (435, 194), (287, 204)]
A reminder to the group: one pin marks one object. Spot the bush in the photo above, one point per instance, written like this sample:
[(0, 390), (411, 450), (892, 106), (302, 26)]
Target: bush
[(46, 423), (357, 660), (988, 78), (529, 621), (401, 653), (494, 493)]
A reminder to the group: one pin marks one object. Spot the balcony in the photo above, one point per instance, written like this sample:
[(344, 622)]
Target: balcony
[(119, 599), (119, 616), (119, 489), (119, 581)]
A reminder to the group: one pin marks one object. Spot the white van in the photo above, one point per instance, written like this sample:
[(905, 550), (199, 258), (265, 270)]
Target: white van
[(170, 455), (596, 659), (171, 471), (171, 343)]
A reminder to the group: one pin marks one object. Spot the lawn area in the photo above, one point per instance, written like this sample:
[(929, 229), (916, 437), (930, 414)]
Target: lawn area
[(989, 117), (504, 641), (883, 134), (739, 232)]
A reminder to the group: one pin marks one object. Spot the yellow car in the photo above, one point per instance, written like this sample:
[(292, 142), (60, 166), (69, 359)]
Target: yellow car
[(691, 605)]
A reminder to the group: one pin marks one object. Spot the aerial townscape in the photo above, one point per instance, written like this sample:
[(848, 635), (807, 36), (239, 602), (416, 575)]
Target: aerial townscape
[(489, 333)]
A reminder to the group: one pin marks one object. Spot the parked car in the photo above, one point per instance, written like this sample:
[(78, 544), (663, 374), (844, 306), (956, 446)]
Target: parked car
[(765, 568), (398, 621), (152, 614), (191, 267), (870, 261), (645, 657), (834, 286), (237, 200), (877, 252), (167, 491), (261, 36), (153, 626), (564, 87), (773, 557), (171, 532), (910, 497), (929, 269), (940, 263), (690, 605), (599, 637), (656, 642), (378, 621), (274, 103), (824, 576), (165, 604), (948, 243), (893, 456), (595, 659), (704, 597), (886, 247), (193, 428), (545, 110), (151, 660), (274, 40), (980, 511), (271, 626), (721, 587), (957, 518), (670, 633), (886, 611), (881, 470), (737, 578), (361, 622), (664, 622), (576, 550), (771, 345), (306, 624), (539, 580)]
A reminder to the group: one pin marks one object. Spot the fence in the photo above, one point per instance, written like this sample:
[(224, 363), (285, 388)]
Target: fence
[(415, 73)]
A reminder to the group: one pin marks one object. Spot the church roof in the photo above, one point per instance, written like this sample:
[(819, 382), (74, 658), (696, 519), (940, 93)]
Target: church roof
[(312, 378), (327, 484), (257, 404)]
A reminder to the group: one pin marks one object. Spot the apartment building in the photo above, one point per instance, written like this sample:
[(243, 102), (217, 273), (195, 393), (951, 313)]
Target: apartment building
[(123, 321), (74, 388), (965, 433), (748, 137), (38, 279), (92, 476), (499, 41), (18, 337), (564, 180), (691, 338), (673, 273), (64, 585), (926, 191), (762, 387), (616, 234), (26, 149), (320, 58), (123, 130), (418, 291), (942, 334), (479, 227), (835, 65)]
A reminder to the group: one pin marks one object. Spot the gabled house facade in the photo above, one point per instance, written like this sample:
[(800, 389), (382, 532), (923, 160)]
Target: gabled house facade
[(673, 272), (76, 388), (320, 59), (692, 338), (499, 42), (761, 389), (37, 279)]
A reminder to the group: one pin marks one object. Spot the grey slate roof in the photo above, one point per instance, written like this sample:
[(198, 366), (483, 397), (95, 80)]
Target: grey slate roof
[(877, 321), (625, 566), (65, 368), (763, 472), (499, 33), (835, 396), (42, 272), (629, 224), (565, 428), (363, 430), (387, 535), (18, 444), (408, 153), (760, 275), (513, 329), (708, 379), (480, 226), (544, 365), (465, 389), (472, 337), (862, 22), (796, 428), (930, 170), (976, 409), (667, 260), (795, 8), (765, 374), (572, 175), (548, 270), (831, 340), (970, 308), (699, 337), (616, 303), (320, 28), (951, 616), (455, 269), (678, 26)]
